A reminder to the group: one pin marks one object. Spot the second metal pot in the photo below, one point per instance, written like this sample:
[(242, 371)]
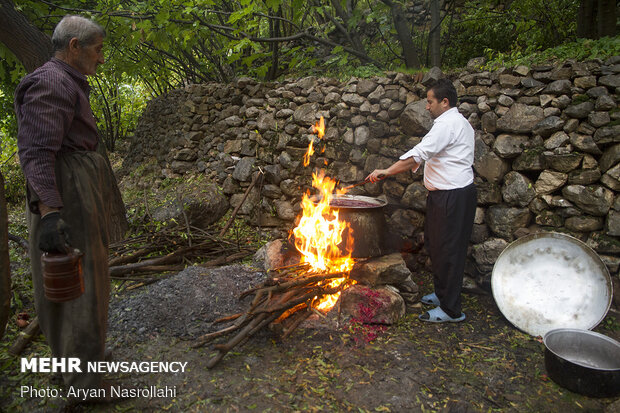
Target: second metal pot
[(583, 361)]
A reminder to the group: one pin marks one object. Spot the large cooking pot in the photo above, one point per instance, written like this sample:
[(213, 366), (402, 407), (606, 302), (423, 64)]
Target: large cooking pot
[(583, 361), (367, 224), (549, 280)]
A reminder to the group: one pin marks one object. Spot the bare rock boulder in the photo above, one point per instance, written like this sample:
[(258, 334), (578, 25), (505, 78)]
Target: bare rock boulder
[(381, 305)]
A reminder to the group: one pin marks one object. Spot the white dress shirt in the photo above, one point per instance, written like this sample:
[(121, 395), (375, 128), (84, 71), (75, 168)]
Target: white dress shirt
[(448, 152)]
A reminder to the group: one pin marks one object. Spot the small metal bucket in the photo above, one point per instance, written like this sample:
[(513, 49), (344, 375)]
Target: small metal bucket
[(62, 276)]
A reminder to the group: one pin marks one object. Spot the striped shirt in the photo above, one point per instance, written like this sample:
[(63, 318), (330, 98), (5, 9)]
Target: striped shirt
[(53, 116)]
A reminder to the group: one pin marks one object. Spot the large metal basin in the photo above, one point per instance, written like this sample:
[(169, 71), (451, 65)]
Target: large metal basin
[(549, 280)]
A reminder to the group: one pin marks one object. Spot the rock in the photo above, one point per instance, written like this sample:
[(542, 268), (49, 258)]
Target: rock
[(476, 63), (382, 305), (353, 99), (285, 210), (584, 223), (509, 80), (584, 143), (415, 196), (405, 222), (594, 200), (602, 243), (520, 118), (612, 226), (530, 160), (266, 122), (549, 219), (529, 82), (489, 122), (548, 126), (489, 193), (366, 86), (611, 179), (488, 252), (605, 102), (432, 76), (361, 135), (505, 100), (305, 115), (276, 254), (584, 176), (563, 162), (203, 205), (556, 140), (580, 111), (491, 167), (387, 269), (415, 119), (559, 87), (610, 157), (607, 134), (377, 95), (612, 81), (504, 221), (585, 82), (550, 181), (243, 169), (517, 189), (510, 146)]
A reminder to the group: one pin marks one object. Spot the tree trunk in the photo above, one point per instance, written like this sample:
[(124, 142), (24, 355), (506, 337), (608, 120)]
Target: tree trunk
[(28, 44), (5, 268), (606, 18), (410, 51), (435, 34)]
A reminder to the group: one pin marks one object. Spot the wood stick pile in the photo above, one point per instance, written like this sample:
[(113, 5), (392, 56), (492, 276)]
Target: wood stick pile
[(282, 302), (169, 250)]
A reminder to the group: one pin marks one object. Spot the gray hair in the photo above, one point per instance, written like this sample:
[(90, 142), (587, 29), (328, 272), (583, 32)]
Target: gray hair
[(85, 30)]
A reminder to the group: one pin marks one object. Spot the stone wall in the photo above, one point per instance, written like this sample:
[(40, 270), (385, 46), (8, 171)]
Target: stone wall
[(547, 147)]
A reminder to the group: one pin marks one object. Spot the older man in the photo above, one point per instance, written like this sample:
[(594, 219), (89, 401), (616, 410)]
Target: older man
[(448, 153), (69, 188)]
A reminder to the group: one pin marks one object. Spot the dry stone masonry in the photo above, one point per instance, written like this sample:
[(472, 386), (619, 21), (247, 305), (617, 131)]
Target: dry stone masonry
[(547, 148)]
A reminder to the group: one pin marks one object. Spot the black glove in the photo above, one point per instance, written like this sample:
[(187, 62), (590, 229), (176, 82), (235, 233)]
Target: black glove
[(53, 234)]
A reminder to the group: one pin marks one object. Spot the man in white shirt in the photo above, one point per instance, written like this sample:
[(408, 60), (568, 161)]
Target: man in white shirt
[(448, 153)]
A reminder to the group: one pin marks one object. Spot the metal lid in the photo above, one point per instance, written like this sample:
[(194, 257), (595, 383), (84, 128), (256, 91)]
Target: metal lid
[(549, 280)]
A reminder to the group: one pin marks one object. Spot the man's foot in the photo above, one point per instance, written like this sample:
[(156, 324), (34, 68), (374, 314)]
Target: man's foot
[(430, 299), (437, 315)]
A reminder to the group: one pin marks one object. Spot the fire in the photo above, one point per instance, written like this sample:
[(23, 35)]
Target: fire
[(319, 231), (319, 129)]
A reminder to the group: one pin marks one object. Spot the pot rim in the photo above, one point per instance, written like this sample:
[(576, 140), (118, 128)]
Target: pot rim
[(376, 202), (603, 337)]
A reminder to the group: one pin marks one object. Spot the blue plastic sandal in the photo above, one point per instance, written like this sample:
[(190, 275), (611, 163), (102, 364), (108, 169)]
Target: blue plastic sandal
[(437, 315), (430, 299)]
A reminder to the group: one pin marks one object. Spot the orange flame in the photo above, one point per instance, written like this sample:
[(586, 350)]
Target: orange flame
[(319, 129), (318, 235)]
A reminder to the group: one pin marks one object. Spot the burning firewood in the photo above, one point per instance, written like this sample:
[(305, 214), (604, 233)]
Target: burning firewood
[(285, 300)]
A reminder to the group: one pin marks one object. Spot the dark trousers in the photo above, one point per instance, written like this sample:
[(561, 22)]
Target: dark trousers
[(447, 230)]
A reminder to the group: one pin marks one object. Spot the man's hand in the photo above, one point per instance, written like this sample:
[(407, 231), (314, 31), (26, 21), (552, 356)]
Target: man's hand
[(377, 175), (53, 234)]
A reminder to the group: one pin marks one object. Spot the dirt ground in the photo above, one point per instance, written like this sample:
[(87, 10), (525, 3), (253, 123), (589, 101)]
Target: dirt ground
[(482, 364)]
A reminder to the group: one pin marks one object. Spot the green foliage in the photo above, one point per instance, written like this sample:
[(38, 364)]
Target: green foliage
[(491, 29), (580, 49)]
